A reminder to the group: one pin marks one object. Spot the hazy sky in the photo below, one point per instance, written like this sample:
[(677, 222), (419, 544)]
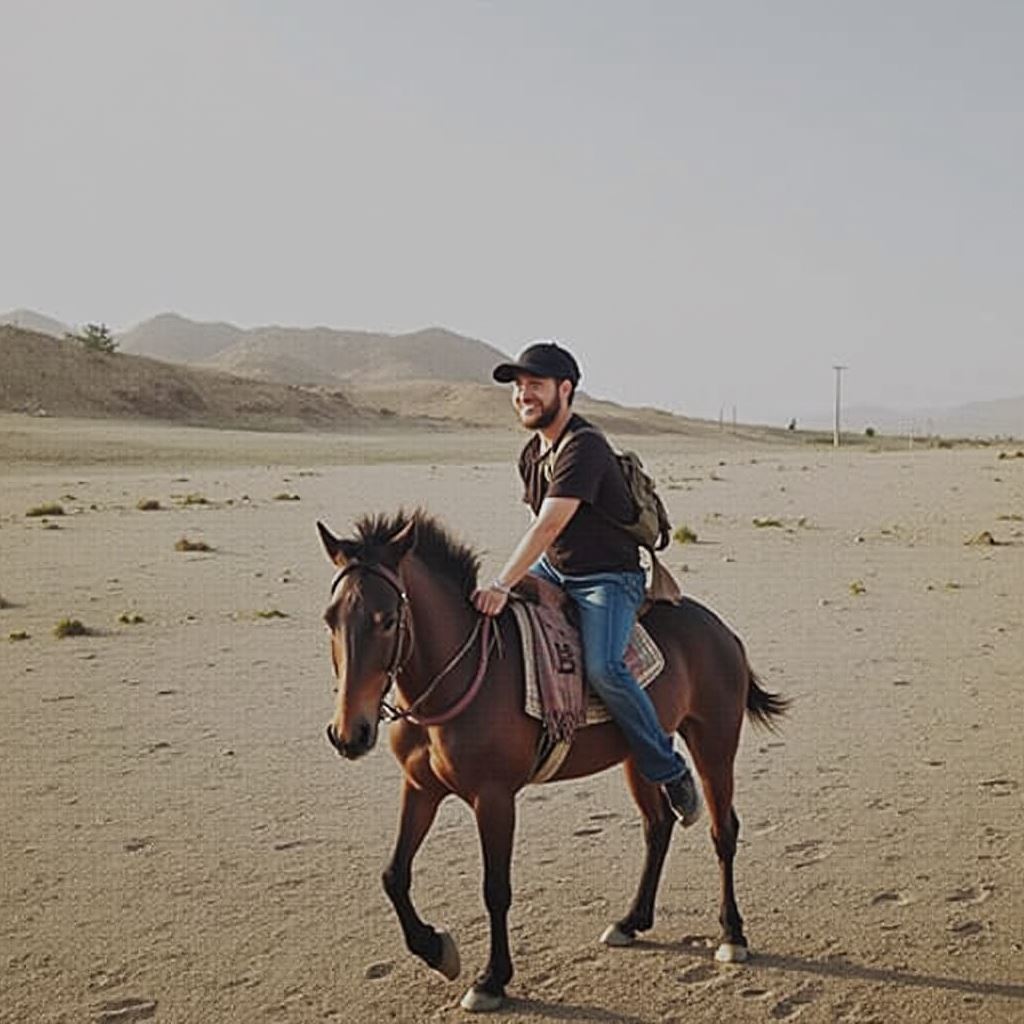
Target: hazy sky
[(709, 202)]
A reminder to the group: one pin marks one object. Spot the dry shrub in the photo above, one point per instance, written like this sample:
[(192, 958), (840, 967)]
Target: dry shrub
[(983, 539), (184, 544), (50, 509), (70, 627)]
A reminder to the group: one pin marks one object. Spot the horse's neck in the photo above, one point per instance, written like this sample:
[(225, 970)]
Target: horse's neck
[(441, 621)]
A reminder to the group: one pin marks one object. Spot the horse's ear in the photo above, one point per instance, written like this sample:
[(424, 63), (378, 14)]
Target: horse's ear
[(404, 541), (338, 551)]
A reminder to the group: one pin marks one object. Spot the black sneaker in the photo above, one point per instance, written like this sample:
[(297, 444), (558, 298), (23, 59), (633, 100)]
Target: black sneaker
[(683, 799)]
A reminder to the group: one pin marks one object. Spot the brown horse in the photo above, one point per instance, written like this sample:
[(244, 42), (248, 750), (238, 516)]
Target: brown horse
[(400, 612)]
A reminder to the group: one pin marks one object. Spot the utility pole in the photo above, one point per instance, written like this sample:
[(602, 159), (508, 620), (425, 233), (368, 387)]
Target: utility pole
[(839, 390)]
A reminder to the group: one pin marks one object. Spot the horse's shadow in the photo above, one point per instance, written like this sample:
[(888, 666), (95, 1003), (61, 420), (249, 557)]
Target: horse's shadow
[(844, 970)]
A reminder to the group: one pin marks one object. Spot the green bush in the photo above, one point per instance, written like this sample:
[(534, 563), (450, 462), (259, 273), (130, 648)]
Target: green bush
[(95, 337), (684, 535)]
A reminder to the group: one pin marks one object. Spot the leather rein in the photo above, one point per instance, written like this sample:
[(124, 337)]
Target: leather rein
[(402, 652)]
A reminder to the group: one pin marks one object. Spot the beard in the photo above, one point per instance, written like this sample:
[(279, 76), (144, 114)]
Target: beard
[(544, 417)]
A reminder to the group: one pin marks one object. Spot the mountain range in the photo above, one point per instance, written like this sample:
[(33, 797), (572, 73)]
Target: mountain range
[(45, 375), (440, 375)]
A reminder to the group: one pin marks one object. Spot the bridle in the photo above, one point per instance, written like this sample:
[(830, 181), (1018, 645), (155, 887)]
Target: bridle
[(400, 656), (396, 664)]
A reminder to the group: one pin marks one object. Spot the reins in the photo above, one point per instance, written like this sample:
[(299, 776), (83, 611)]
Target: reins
[(481, 628)]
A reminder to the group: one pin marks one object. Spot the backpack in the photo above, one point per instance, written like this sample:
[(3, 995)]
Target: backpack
[(651, 527)]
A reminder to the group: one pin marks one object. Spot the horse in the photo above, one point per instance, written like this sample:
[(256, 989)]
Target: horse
[(400, 614)]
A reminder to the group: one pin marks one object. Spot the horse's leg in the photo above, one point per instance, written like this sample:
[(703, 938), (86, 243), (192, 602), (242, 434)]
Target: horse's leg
[(437, 949), (496, 820), (658, 827), (713, 756)]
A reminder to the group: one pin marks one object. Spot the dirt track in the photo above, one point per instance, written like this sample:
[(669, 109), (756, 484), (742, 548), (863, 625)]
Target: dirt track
[(180, 843)]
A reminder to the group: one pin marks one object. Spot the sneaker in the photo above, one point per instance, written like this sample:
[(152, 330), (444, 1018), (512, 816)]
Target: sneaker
[(683, 799)]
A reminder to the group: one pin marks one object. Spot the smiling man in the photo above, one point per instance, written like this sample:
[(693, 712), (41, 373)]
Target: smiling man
[(577, 493)]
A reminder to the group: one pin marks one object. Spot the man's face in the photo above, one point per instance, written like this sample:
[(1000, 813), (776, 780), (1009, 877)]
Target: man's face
[(537, 400)]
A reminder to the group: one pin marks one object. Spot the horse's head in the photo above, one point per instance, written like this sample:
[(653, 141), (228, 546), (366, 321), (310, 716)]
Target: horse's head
[(368, 620)]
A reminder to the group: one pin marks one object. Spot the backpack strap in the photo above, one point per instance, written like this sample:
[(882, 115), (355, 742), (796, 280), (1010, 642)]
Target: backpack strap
[(549, 471)]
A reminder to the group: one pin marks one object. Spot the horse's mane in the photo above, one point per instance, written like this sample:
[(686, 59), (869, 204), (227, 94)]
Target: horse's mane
[(435, 546)]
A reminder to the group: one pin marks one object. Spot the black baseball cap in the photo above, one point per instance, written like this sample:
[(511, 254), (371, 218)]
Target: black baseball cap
[(540, 359)]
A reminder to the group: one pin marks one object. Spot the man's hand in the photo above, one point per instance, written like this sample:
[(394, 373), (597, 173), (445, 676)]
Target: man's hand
[(491, 600), (554, 515)]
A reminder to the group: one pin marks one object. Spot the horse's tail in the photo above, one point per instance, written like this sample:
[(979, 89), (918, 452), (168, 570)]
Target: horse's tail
[(764, 707)]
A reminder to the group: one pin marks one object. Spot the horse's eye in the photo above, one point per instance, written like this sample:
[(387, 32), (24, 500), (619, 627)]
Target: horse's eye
[(387, 622)]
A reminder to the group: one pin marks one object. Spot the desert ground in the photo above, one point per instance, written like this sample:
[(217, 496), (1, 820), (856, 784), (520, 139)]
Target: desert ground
[(180, 843)]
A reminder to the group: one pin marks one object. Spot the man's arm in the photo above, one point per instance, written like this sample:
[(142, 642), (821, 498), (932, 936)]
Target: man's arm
[(552, 519)]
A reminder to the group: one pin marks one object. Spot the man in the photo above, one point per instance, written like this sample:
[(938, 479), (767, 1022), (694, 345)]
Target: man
[(574, 542)]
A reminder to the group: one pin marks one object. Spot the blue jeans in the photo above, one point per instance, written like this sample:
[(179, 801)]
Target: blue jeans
[(608, 603)]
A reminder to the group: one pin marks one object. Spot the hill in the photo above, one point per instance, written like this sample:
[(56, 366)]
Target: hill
[(32, 321), (489, 406), (50, 376), (314, 356), (175, 339), (1002, 417)]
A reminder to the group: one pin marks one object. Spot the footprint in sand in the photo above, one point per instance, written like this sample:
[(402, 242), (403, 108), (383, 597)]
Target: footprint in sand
[(972, 894), (698, 974), (1000, 787), (898, 899), (790, 1006), (966, 927), (126, 1011), (595, 831), (812, 851), (102, 979)]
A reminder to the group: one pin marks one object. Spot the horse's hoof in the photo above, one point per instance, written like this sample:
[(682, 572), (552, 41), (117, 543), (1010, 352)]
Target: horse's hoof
[(450, 964), (731, 953), (613, 935), (476, 1000)]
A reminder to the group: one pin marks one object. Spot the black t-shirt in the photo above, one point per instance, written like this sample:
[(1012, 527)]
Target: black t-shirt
[(586, 468)]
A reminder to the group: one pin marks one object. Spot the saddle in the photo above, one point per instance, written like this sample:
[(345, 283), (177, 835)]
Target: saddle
[(556, 693)]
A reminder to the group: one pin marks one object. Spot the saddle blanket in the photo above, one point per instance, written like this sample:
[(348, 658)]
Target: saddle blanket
[(643, 659)]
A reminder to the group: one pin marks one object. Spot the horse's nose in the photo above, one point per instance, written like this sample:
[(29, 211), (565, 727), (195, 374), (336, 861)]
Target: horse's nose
[(365, 733), (335, 739), (363, 738)]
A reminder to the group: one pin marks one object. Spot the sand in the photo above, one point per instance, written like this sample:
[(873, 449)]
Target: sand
[(180, 843)]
